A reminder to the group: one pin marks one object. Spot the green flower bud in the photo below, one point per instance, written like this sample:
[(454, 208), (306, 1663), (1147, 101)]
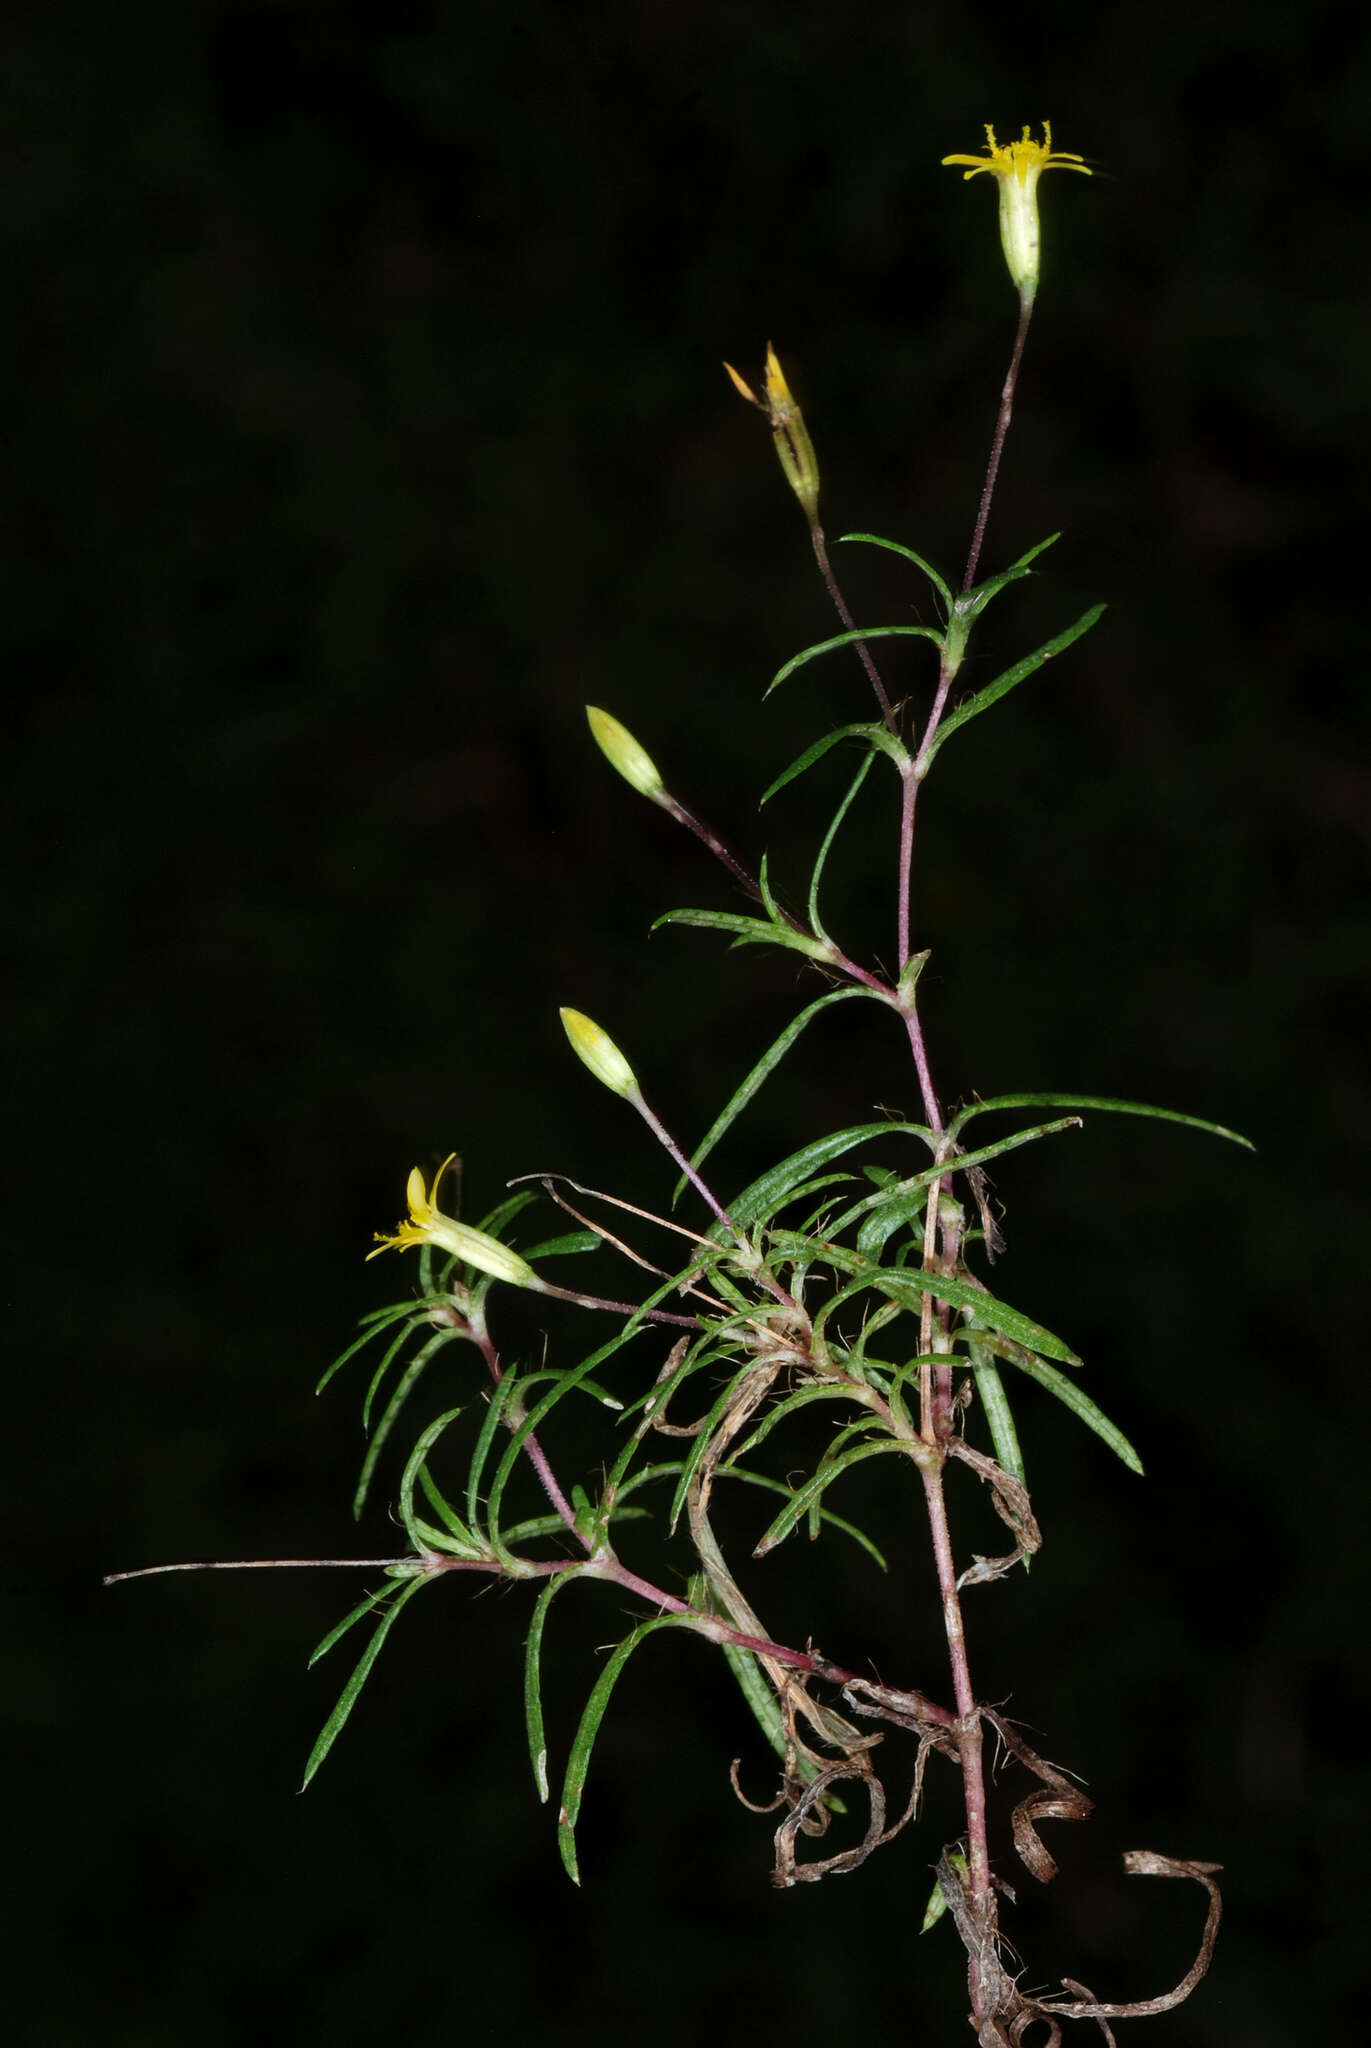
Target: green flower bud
[(599, 1052), (623, 752)]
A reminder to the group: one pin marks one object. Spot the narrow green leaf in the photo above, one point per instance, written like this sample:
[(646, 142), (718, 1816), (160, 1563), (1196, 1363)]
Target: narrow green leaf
[(414, 1464), (998, 1414), (813, 1488), (403, 1311), (1003, 684), (768, 1485), (896, 1210), (1080, 1405), (748, 931), (959, 1161), (875, 540), (505, 1212), (821, 858), (409, 1380), (878, 735), (804, 1397), (973, 602), (341, 1628), (764, 1068), (432, 1538), (391, 1353), (570, 1241), (910, 1287), (583, 1744), (702, 1441), (564, 1383), (1055, 1101), (347, 1699), (533, 1688), (498, 1401), (847, 640), (766, 1194)]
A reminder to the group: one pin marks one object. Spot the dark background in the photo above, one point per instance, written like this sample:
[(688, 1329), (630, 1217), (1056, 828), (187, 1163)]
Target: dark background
[(364, 421)]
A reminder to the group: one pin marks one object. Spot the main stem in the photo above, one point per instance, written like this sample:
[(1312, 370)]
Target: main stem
[(942, 1246)]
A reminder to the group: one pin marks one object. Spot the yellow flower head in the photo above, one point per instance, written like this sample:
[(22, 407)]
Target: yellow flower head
[(1018, 166), (427, 1224)]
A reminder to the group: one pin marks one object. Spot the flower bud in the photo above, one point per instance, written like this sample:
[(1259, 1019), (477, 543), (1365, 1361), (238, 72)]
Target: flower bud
[(599, 1052), (623, 752), (793, 445)]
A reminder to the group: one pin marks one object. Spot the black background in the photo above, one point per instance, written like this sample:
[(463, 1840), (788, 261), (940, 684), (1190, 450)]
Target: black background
[(365, 421)]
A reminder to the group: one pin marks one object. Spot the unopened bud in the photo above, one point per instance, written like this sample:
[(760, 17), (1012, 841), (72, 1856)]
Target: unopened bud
[(623, 752), (793, 445), (599, 1052)]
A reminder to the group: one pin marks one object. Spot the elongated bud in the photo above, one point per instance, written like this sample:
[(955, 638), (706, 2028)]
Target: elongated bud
[(623, 752), (793, 445), (599, 1052)]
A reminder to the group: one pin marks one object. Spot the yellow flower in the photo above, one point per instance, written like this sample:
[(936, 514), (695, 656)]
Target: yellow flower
[(427, 1224), (1018, 166)]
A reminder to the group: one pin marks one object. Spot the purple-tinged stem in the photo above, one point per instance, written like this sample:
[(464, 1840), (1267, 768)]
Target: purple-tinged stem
[(816, 534), (997, 442), (969, 1742)]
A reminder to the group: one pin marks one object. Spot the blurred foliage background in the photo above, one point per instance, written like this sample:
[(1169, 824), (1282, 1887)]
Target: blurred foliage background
[(364, 421)]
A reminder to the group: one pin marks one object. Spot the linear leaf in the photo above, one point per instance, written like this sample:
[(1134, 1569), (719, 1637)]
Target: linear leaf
[(433, 1538), (803, 1498), (347, 1698), (896, 548), (764, 1068), (768, 1485), (958, 1162), (499, 1400), (403, 1311), (804, 1397), (1109, 1102), (341, 1628), (565, 1383), (878, 735), (821, 858), (583, 1744), (414, 1465), (998, 1414), (1080, 1405), (533, 1689), (847, 640), (701, 1443), (409, 1380), (766, 1194), (504, 1212), (748, 931), (910, 1287), (569, 1241), (973, 602), (391, 1353), (1004, 683)]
